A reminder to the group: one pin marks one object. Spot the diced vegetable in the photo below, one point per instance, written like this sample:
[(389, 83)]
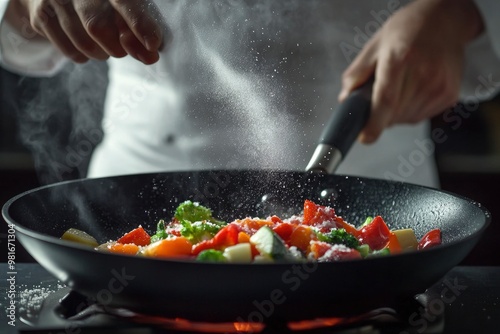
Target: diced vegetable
[(318, 248), (340, 253), (227, 236), (252, 225), (270, 244), (80, 237), (128, 248), (161, 233), (243, 237), (351, 229), (211, 255), (393, 244), (199, 231), (302, 236), (323, 251), (380, 252), (318, 234), (284, 230), (194, 212), (239, 253), (262, 259), (407, 239), (339, 236), (376, 234), (367, 221), (317, 214), (364, 250), (137, 236), (171, 247), (296, 254), (430, 239)]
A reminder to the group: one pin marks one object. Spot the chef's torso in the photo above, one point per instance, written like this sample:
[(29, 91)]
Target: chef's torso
[(249, 84)]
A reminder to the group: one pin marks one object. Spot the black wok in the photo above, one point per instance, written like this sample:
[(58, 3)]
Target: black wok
[(108, 207)]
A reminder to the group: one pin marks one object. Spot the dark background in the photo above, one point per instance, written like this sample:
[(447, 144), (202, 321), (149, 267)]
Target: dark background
[(469, 161)]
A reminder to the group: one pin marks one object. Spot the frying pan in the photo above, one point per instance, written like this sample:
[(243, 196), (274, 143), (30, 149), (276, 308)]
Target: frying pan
[(108, 207)]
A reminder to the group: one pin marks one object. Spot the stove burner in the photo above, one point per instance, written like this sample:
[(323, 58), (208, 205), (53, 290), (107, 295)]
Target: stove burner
[(65, 309)]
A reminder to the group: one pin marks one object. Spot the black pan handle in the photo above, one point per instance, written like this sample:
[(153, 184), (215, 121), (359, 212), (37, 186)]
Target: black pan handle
[(344, 126)]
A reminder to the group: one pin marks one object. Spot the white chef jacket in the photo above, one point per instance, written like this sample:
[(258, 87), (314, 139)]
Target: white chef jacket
[(255, 96)]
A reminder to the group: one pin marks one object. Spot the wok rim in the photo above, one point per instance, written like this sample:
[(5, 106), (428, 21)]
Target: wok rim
[(54, 240)]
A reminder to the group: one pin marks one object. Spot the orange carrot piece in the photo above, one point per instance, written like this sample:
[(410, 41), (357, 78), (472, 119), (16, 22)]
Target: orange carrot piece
[(301, 237), (129, 249), (243, 238), (171, 247)]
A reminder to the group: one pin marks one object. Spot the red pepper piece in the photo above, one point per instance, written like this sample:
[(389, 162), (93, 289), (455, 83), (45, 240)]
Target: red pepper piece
[(376, 234), (137, 236), (284, 230), (430, 239), (227, 236)]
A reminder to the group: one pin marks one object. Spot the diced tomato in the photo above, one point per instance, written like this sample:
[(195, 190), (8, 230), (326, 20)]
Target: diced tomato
[(251, 225), (430, 239), (119, 248), (176, 233), (393, 244), (276, 220), (340, 253), (333, 252), (201, 246), (137, 236), (284, 230), (227, 236), (301, 237), (317, 214), (170, 247), (376, 234), (319, 248)]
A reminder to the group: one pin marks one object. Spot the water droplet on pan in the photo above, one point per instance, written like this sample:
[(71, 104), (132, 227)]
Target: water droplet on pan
[(328, 195)]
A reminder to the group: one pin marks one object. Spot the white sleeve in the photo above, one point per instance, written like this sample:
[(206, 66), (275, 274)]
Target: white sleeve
[(482, 58), (22, 55), (490, 10)]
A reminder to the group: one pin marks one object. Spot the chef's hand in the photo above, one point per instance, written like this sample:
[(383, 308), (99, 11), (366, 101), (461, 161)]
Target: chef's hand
[(95, 29), (417, 59)]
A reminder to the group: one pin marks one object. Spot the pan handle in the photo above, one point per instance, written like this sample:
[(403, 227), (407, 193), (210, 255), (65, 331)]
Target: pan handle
[(344, 126)]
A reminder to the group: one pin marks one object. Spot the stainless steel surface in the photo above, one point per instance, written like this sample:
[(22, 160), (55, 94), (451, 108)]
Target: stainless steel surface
[(325, 159)]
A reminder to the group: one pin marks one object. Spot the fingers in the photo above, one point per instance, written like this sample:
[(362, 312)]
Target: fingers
[(45, 22), (77, 34), (97, 29), (144, 20), (97, 19), (123, 27), (360, 70), (390, 82), (133, 46)]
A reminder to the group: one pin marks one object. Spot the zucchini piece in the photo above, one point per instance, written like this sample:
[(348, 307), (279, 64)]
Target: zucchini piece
[(80, 237), (270, 244)]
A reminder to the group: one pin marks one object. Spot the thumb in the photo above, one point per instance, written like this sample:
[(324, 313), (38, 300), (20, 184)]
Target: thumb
[(358, 72)]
